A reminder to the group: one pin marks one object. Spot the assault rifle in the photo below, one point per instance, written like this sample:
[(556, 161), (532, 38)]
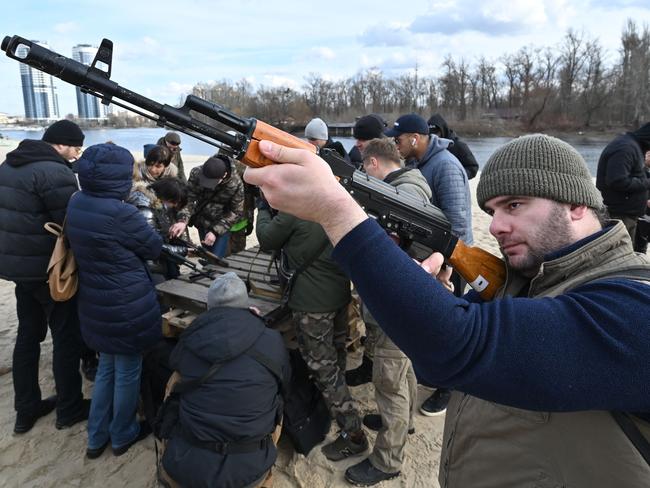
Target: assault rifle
[(181, 260), (421, 227), (201, 252)]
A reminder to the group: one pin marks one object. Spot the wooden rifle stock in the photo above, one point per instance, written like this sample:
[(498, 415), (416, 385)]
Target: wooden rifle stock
[(484, 271), (266, 132)]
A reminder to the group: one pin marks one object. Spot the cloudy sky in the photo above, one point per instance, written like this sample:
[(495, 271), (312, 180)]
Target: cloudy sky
[(162, 48)]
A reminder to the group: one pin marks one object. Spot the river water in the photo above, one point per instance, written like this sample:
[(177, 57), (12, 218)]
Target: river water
[(133, 139)]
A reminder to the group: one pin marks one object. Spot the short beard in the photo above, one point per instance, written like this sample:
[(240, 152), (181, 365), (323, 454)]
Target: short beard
[(553, 234)]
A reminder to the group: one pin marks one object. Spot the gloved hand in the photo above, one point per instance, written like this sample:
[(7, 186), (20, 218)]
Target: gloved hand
[(179, 249)]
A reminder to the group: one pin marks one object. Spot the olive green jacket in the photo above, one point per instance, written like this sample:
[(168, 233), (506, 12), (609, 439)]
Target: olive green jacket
[(489, 445), (322, 287)]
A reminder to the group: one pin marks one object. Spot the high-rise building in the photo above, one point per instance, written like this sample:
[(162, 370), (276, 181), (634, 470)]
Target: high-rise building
[(89, 106), (39, 91)]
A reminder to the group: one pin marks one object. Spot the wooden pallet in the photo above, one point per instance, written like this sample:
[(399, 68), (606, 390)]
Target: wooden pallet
[(186, 297)]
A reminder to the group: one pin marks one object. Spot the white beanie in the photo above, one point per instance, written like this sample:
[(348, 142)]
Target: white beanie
[(316, 129), (228, 290)]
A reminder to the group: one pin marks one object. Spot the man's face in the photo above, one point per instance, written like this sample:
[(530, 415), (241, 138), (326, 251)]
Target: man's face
[(371, 167), (361, 144), (529, 228), (69, 153), (319, 143), (406, 144), (172, 146), (156, 170)]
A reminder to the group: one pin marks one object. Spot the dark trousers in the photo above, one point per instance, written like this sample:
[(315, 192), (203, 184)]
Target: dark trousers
[(36, 310)]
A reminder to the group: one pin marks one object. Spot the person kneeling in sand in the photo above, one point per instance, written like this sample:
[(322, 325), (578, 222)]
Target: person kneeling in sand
[(230, 372)]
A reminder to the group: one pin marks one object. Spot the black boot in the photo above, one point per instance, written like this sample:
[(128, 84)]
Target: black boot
[(365, 474), (360, 375), (24, 423)]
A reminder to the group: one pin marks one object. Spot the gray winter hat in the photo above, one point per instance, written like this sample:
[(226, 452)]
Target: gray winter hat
[(316, 129), (538, 165), (228, 290)]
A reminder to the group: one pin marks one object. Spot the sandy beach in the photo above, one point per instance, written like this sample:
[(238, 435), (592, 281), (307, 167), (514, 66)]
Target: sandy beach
[(46, 457)]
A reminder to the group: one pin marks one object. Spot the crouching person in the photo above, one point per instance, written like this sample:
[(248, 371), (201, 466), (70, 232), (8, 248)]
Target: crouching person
[(231, 371)]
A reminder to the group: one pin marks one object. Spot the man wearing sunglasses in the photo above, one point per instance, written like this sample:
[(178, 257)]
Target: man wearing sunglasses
[(450, 188), (172, 141)]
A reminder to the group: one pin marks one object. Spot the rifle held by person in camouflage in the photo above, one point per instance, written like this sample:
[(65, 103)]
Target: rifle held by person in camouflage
[(421, 227)]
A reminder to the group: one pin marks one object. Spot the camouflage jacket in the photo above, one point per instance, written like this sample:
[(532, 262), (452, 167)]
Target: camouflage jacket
[(225, 205)]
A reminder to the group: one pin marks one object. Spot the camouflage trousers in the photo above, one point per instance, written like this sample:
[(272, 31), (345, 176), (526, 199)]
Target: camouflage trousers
[(321, 340)]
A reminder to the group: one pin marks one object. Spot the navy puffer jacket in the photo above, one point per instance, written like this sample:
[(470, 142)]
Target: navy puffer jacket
[(111, 240), (239, 403)]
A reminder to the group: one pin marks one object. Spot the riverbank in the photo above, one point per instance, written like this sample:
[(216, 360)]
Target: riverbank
[(46, 457)]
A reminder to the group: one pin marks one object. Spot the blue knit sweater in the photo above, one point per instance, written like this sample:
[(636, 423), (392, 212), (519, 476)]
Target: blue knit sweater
[(587, 349)]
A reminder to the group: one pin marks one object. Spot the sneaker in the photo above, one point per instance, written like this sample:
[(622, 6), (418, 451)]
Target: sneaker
[(344, 446), (145, 430), (83, 415), (365, 474), (95, 453), (360, 375), (24, 423), (436, 404), (373, 422)]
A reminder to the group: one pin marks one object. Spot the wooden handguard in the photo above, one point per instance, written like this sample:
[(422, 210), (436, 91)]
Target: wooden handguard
[(485, 272), (264, 131)]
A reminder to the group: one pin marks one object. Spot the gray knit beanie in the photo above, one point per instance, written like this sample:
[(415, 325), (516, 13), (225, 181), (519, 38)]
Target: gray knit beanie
[(228, 290), (316, 129), (538, 165)]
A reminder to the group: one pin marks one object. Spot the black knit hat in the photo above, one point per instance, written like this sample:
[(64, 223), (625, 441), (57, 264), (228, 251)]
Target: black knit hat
[(369, 127), (64, 132), (538, 166)]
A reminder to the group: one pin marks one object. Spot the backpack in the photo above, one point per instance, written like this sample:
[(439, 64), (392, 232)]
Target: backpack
[(306, 416)]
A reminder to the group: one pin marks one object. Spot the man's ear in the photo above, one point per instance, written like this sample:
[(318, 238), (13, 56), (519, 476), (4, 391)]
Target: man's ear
[(578, 212)]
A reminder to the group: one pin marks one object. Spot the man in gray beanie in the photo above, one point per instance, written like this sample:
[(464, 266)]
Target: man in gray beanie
[(546, 374), (228, 290), (317, 134)]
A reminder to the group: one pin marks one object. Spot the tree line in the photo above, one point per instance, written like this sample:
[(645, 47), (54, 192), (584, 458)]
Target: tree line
[(567, 86)]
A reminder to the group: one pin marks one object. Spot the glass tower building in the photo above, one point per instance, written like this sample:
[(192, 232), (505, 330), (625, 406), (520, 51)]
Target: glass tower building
[(39, 91), (89, 107)]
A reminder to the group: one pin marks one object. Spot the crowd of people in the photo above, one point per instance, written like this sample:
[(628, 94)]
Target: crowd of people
[(543, 384)]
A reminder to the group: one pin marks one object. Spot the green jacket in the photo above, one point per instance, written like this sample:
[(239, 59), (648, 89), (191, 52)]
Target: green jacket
[(322, 287)]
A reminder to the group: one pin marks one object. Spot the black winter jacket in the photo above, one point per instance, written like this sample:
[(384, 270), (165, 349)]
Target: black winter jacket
[(621, 177), (35, 186), (458, 148), (338, 147), (240, 403)]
